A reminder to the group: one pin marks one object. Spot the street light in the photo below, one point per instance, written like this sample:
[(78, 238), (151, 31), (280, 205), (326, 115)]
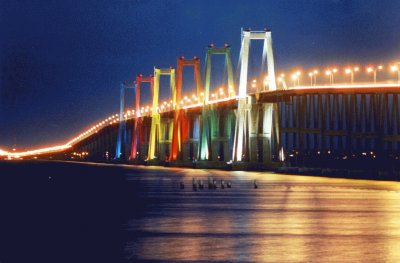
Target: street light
[(374, 70), (281, 79), (295, 78), (333, 72), (351, 72), (254, 83), (396, 68), (311, 75), (315, 73), (330, 73), (356, 69)]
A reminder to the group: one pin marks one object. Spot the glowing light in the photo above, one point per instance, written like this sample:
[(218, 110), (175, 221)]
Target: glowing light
[(38, 151), (368, 85), (394, 68), (2, 152)]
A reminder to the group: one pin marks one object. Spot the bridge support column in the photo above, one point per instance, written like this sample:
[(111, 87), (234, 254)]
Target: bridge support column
[(154, 142), (144, 135), (121, 138), (221, 135), (209, 119), (220, 122), (166, 128), (137, 126), (242, 144), (191, 143), (261, 133), (181, 125)]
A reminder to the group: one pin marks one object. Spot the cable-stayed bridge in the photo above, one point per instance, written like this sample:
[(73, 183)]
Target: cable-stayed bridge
[(260, 121)]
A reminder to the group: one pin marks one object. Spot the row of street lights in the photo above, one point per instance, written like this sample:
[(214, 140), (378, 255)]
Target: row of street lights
[(330, 73), (220, 93)]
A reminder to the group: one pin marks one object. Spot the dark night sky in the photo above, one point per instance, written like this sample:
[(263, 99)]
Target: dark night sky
[(62, 61)]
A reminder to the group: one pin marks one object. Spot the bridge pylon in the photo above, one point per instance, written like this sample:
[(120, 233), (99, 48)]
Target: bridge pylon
[(122, 125), (208, 116), (138, 121), (122, 135), (181, 123), (244, 121), (155, 133)]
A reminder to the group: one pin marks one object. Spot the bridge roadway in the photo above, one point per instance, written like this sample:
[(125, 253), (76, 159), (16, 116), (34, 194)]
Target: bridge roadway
[(313, 126)]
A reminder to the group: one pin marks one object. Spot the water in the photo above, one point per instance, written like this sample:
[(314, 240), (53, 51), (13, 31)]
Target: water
[(70, 212)]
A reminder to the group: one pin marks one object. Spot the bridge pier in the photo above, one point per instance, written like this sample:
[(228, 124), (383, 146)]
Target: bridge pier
[(191, 143), (260, 133), (324, 126), (217, 138), (143, 137), (166, 129), (222, 126)]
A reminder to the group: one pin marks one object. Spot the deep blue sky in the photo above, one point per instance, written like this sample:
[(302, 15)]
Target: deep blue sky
[(62, 61)]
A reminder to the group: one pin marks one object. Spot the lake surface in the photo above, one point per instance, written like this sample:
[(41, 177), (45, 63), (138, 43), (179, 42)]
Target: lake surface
[(73, 212)]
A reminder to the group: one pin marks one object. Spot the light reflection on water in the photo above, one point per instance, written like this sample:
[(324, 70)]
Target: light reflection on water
[(288, 219)]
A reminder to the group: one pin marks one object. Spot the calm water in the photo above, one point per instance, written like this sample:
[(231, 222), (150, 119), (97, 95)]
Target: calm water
[(69, 212)]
